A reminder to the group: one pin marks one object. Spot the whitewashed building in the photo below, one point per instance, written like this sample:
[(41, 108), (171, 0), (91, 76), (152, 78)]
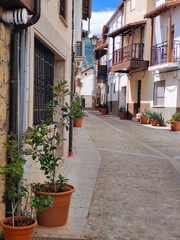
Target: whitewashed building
[(165, 57)]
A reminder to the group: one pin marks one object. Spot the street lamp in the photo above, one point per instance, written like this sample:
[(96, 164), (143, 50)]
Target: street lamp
[(94, 40)]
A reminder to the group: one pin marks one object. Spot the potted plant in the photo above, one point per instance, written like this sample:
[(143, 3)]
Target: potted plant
[(42, 142), (104, 109), (78, 111), (144, 116), (97, 107), (175, 122), (100, 106), (155, 117), (122, 112), (19, 226)]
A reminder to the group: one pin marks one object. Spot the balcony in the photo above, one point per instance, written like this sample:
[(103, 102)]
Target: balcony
[(159, 56), (101, 73), (128, 58)]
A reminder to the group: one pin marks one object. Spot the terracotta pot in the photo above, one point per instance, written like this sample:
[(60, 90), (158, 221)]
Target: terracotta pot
[(154, 122), (122, 115), (104, 111), (97, 108), (175, 125), (17, 233), (78, 122), (143, 119), (58, 214)]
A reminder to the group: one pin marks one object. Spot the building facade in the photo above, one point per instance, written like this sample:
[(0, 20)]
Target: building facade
[(41, 53), (165, 57)]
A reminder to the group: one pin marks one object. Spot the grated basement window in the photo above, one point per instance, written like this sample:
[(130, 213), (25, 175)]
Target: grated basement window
[(43, 78), (63, 8)]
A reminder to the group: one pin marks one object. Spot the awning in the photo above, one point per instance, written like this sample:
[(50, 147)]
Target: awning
[(127, 28), (100, 51), (162, 8)]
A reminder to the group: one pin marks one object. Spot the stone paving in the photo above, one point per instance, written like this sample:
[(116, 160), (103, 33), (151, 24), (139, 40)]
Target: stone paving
[(127, 179), (137, 195)]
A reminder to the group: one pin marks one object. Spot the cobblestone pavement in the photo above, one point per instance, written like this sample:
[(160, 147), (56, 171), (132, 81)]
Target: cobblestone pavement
[(137, 194)]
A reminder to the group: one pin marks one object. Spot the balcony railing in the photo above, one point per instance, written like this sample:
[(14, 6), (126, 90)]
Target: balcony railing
[(159, 53), (131, 51)]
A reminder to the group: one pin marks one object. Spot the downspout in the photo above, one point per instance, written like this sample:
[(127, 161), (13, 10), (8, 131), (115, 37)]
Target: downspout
[(72, 84), (19, 70)]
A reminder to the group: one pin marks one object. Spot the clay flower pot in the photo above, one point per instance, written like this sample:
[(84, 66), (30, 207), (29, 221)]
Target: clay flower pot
[(78, 122), (154, 122), (143, 119), (58, 214), (18, 233), (122, 115), (175, 126), (104, 111)]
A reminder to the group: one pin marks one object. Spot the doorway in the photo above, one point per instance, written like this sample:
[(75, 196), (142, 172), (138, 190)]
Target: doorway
[(139, 97)]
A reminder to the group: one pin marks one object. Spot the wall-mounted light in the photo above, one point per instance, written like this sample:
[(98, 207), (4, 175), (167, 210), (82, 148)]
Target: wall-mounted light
[(94, 40)]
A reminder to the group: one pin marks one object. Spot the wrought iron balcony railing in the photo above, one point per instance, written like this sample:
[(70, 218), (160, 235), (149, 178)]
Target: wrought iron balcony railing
[(129, 52), (159, 53)]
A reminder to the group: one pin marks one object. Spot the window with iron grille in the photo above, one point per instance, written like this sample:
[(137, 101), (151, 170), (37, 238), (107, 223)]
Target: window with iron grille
[(43, 78), (63, 8), (159, 93)]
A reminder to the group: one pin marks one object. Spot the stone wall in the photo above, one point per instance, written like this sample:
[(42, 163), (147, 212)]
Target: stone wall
[(5, 35)]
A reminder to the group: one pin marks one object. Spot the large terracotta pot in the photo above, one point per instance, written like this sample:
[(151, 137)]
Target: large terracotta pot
[(104, 111), (154, 122), (78, 122), (175, 126), (143, 119), (17, 233), (122, 115), (58, 214)]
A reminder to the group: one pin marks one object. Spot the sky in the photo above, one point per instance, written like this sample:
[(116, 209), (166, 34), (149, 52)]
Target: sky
[(102, 10)]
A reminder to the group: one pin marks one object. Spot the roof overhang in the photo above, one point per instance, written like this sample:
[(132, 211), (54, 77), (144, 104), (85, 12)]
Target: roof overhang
[(162, 8), (100, 51), (126, 28), (87, 6), (12, 4)]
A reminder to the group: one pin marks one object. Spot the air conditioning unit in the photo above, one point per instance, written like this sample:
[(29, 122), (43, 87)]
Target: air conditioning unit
[(80, 49)]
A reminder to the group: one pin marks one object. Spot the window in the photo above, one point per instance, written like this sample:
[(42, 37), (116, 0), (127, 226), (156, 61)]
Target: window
[(63, 8), (43, 78), (159, 93), (114, 87), (132, 4)]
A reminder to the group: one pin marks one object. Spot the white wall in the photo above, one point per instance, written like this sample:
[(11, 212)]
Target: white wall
[(159, 2), (87, 82), (161, 26)]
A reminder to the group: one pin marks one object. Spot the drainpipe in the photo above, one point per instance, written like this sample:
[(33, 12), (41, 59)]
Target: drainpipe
[(72, 84), (18, 66)]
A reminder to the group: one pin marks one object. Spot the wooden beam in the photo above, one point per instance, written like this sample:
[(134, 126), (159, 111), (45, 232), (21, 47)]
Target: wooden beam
[(113, 50), (151, 41), (169, 36)]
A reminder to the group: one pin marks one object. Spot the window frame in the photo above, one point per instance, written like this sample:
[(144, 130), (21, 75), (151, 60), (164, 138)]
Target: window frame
[(63, 17), (157, 99), (43, 78), (131, 5)]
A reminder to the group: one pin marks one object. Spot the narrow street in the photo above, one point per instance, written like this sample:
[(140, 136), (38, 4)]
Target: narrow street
[(137, 193)]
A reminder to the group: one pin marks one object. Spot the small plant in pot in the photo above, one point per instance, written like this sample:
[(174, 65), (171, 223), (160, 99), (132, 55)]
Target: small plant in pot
[(104, 109), (175, 122), (122, 112), (144, 116), (155, 118), (78, 113), (21, 225), (42, 142)]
